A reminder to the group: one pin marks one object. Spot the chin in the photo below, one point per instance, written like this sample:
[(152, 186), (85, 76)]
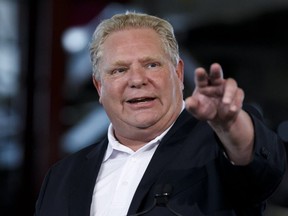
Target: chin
[(145, 123)]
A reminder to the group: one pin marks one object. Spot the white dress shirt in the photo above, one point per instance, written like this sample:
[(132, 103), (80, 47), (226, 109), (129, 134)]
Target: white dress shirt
[(119, 176)]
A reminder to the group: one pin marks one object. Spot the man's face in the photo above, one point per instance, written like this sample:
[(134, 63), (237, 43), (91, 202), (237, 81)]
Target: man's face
[(139, 87)]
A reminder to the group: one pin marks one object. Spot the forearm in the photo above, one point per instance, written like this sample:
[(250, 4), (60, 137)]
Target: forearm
[(237, 138)]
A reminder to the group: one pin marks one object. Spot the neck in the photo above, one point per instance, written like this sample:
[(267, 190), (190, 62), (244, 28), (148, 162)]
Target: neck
[(134, 138)]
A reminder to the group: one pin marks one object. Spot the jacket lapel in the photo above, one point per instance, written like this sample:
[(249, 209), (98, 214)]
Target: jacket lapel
[(166, 151), (83, 181)]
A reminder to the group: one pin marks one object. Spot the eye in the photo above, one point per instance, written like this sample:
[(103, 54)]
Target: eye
[(118, 70), (152, 65)]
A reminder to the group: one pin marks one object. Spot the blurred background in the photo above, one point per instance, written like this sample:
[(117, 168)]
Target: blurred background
[(49, 107)]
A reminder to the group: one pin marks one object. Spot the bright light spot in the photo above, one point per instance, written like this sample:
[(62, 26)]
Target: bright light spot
[(75, 39)]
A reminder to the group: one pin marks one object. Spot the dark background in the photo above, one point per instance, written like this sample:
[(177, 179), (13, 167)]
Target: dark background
[(55, 110)]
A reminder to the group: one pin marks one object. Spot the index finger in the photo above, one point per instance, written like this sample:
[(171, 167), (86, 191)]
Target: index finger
[(201, 77)]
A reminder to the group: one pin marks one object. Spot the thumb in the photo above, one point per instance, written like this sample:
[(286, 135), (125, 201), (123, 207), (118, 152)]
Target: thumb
[(191, 104)]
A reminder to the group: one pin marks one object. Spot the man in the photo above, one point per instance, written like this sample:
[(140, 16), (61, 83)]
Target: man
[(164, 156)]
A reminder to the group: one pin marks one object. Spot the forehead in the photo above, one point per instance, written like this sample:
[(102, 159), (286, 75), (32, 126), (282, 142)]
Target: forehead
[(132, 43)]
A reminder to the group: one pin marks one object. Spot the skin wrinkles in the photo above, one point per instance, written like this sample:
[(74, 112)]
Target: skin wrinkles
[(135, 67)]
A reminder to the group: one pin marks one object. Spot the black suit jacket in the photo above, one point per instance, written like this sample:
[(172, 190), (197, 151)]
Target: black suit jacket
[(190, 159)]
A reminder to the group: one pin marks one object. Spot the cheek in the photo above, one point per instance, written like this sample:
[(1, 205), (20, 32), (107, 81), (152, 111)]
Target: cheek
[(110, 92), (175, 86)]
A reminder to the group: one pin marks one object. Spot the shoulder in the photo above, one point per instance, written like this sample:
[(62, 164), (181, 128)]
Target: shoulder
[(77, 158)]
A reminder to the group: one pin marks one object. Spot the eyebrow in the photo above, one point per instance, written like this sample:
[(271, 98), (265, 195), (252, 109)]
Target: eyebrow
[(127, 63), (148, 59), (142, 60)]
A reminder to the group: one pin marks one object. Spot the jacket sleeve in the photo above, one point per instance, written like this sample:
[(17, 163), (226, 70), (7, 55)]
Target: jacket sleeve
[(257, 181)]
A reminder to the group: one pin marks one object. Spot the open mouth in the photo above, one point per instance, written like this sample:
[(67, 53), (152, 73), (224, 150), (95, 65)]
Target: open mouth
[(140, 100)]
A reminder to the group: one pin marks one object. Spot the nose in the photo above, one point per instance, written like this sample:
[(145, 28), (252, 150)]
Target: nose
[(137, 78)]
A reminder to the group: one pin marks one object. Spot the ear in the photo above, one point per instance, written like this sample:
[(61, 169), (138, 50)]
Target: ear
[(180, 72), (98, 86)]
